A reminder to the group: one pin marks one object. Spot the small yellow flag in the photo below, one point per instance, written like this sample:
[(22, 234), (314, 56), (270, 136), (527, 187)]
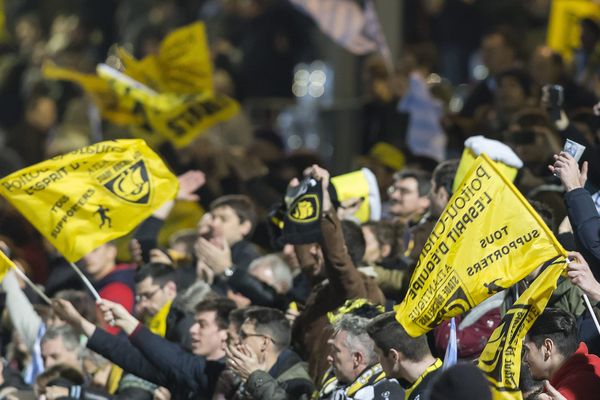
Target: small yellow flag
[(180, 118), (487, 239), (500, 360), (89, 196), (182, 65), (563, 28), (5, 265)]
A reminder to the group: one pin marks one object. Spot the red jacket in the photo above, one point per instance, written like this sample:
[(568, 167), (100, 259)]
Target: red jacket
[(579, 377)]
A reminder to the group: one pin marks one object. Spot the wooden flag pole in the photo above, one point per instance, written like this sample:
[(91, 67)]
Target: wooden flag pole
[(32, 285), (86, 281)]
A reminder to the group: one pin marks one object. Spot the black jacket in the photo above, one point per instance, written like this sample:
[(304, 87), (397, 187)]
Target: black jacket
[(586, 226), (286, 380), (159, 361)]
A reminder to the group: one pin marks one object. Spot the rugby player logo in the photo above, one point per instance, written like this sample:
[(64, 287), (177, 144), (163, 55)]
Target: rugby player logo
[(132, 184)]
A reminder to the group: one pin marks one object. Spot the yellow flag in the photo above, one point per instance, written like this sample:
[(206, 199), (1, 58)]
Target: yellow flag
[(176, 117), (89, 196), (182, 65), (500, 360), (5, 265), (98, 89), (563, 29), (487, 239)]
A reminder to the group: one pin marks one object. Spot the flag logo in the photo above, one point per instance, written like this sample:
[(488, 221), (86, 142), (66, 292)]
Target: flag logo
[(132, 184), (306, 209)]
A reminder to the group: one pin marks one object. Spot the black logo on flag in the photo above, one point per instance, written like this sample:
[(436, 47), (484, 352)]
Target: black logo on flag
[(132, 184)]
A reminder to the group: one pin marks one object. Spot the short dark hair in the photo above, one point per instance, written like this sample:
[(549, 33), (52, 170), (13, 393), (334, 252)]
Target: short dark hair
[(558, 325), (423, 179), (160, 273), (387, 333), (82, 302), (222, 306), (355, 241), (271, 322), (241, 205), (544, 212), (385, 232), (443, 175)]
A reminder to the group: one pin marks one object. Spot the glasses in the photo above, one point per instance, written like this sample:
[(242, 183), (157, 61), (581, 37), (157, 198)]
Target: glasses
[(146, 296), (393, 189), (245, 335)]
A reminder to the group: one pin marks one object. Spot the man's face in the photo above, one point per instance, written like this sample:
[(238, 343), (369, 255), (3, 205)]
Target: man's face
[(536, 360), (54, 352), (226, 224), (341, 358), (100, 261), (404, 199), (387, 363), (373, 252), (206, 336), (151, 297), (254, 340), (438, 198)]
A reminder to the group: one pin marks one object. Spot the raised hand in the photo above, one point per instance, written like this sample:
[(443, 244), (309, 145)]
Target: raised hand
[(567, 170)]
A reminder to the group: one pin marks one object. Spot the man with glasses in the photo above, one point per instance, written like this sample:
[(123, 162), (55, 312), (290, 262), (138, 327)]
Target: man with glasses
[(262, 359), (157, 303), (409, 195)]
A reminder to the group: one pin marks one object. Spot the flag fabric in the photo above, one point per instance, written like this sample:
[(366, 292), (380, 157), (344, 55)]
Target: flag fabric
[(182, 65), (178, 118), (355, 29), (89, 196), (451, 355), (5, 265), (487, 239), (163, 97), (98, 89), (500, 360), (374, 30)]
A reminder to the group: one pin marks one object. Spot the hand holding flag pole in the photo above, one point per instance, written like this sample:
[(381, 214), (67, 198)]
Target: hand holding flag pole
[(581, 276)]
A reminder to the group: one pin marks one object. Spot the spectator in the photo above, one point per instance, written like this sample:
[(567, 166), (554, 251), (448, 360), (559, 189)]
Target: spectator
[(263, 360), (552, 351), (355, 371), (404, 357)]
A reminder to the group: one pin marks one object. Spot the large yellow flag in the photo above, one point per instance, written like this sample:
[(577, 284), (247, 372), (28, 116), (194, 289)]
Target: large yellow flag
[(89, 196), (182, 64), (176, 117), (487, 239), (500, 360)]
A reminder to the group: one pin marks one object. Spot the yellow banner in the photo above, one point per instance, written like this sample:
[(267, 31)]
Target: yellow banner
[(563, 28), (5, 265), (98, 89), (487, 239), (500, 360), (89, 196), (175, 117), (182, 65)]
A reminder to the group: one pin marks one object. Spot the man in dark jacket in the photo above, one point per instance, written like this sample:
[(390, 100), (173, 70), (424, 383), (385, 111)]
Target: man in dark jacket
[(262, 359), (158, 302), (185, 375), (332, 267)]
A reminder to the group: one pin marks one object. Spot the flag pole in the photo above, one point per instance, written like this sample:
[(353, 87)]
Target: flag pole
[(86, 281), (32, 285), (591, 310)]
